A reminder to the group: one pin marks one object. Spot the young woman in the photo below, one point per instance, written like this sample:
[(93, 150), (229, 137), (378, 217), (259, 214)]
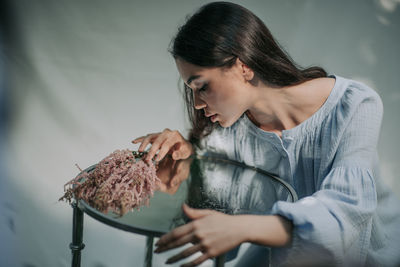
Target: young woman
[(249, 101)]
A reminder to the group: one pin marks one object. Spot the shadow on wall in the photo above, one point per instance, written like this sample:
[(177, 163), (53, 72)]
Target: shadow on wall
[(14, 44), (7, 208)]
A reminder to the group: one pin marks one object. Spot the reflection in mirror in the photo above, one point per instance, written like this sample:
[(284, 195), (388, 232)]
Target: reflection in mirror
[(201, 182), (232, 188), (172, 173), (227, 186)]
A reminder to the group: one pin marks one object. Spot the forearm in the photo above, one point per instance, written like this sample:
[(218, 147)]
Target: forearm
[(270, 230)]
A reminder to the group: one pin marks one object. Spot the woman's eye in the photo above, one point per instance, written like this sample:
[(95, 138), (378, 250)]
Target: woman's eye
[(202, 89)]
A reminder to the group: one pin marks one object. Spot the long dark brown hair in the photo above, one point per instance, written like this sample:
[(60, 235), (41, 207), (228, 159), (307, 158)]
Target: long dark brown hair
[(220, 32)]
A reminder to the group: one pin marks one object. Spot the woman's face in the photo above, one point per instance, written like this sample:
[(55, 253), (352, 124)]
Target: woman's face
[(223, 94)]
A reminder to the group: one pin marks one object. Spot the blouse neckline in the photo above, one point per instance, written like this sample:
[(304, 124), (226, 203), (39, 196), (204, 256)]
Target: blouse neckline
[(308, 124)]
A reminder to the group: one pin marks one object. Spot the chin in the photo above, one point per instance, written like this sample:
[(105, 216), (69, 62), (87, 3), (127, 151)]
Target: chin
[(222, 124), (226, 124)]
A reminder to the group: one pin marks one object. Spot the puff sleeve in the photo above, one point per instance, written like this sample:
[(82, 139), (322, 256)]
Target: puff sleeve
[(334, 224)]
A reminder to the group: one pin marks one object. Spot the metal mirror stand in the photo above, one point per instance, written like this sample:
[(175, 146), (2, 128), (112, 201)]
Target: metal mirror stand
[(77, 235), (77, 242)]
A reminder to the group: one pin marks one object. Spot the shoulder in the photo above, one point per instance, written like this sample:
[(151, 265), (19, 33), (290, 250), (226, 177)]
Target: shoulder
[(356, 92), (354, 97)]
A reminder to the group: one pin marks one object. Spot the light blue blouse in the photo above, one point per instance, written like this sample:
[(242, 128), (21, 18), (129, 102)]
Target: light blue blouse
[(345, 214)]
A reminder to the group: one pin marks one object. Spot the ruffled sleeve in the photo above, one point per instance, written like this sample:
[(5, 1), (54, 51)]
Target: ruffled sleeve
[(334, 224)]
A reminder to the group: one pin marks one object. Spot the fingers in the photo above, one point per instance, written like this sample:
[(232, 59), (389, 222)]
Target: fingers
[(155, 146), (137, 140), (178, 178), (174, 234), (195, 213), (197, 261), (165, 142), (156, 139), (184, 254), (176, 155), (166, 146), (188, 234), (186, 151), (182, 151), (177, 243), (145, 140)]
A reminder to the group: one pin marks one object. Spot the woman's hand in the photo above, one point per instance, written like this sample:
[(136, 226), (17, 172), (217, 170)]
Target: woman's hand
[(210, 232), (166, 142), (172, 173)]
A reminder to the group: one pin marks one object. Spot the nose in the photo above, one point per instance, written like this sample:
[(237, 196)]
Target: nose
[(197, 102)]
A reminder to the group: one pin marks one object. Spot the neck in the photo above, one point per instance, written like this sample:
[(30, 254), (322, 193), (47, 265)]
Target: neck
[(278, 109)]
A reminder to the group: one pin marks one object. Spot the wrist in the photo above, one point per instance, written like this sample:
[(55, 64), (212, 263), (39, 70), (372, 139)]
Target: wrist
[(245, 228), (267, 230)]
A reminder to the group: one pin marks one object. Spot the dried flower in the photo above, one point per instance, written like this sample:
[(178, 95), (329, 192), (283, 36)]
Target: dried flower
[(119, 183)]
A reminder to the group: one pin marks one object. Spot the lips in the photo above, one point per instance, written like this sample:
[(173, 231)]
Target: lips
[(209, 114), (213, 118)]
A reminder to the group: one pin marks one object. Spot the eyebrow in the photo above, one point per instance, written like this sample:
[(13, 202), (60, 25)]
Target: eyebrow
[(193, 77)]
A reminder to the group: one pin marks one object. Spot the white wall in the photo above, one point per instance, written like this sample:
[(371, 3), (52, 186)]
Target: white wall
[(86, 77)]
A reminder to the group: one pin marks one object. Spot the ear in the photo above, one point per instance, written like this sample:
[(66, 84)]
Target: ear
[(246, 72)]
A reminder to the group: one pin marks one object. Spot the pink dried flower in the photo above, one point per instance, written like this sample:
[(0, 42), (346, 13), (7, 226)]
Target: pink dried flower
[(118, 183)]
